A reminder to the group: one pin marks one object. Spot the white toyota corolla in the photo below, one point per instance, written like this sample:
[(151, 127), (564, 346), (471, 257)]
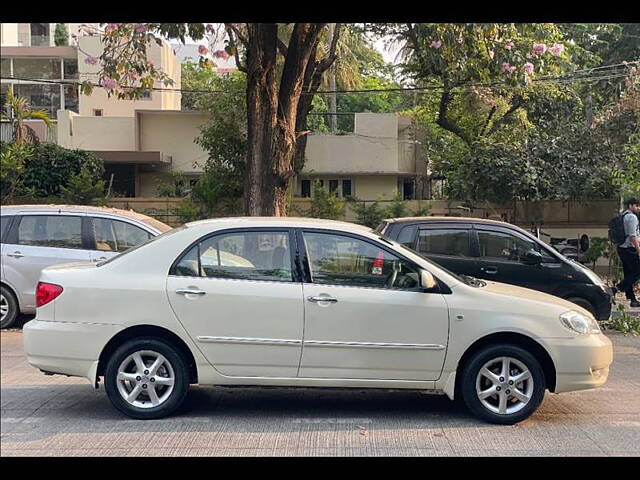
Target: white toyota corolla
[(305, 302)]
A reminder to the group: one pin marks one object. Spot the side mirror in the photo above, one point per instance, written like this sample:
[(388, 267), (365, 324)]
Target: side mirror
[(427, 281), (532, 258)]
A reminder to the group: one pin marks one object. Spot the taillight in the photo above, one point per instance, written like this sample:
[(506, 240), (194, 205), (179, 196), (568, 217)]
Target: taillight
[(45, 292)]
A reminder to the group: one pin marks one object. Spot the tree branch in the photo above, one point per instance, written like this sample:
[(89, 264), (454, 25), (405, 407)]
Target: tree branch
[(282, 48), (443, 121), (502, 120), (486, 123), (242, 68), (325, 63)]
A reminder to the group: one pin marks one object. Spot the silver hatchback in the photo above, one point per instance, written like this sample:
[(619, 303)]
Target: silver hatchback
[(33, 237)]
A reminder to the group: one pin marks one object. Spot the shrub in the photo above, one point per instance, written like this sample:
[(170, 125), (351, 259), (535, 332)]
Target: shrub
[(324, 204), (371, 215), (12, 157), (83, 189)]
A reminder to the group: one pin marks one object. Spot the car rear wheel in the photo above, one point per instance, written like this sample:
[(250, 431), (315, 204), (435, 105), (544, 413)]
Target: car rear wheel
[(503, 384), (146, 378), (8, 308)]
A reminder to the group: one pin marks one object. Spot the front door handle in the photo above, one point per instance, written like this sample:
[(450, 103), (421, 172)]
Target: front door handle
[(99, 259), (190, 291), (489, 270), (322, 299), (15, 254)]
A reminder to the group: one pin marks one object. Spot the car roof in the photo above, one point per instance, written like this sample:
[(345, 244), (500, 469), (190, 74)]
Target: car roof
[(152, 222), (477, 221), (301, 222)]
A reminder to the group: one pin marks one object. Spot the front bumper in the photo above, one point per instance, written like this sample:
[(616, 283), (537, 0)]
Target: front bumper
[(581, 362), (66, 348)]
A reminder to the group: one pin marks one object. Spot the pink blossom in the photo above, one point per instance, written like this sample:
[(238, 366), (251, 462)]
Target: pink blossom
[(557, 49), (509, 45), (539, 48), (152, 63), (209, 28), (506, 67), (528, 55), (491, 54), (221, 54), (110, 27), (202, 50), (108, 83), (512, 69), (90, 60), (140, 28), (436, 44), (528, 68)]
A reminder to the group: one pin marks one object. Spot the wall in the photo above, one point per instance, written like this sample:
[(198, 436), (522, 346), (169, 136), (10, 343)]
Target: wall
[(9, 35), (174, 135), (343, 154), (95, 133)]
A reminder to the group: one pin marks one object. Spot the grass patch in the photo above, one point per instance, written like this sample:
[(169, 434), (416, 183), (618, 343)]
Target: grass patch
[(625, 322)]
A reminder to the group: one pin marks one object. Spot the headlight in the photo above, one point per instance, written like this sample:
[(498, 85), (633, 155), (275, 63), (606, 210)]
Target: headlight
[(579, 323)]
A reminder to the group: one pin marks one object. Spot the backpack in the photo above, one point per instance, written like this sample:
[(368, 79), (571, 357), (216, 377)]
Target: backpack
[(616, 229)]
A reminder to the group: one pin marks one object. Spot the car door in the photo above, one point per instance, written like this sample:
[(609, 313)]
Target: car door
[(108, 236), (502, 259), (365, 315), (448, 245), (37, 241), (239, 296)]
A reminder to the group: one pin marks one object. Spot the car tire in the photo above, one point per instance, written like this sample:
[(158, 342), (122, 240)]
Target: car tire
[(133, 387), (586, 304), (8, 307), (483, 376)]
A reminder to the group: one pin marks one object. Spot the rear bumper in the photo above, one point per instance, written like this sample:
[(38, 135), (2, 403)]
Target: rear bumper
[(66, 348), (581, 362)]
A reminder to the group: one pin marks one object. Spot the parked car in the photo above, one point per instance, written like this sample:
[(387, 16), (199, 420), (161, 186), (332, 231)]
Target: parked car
[(501, 252), (309, 303), (35, 236)]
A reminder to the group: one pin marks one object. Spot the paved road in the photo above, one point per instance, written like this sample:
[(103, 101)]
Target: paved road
[(60, 416)]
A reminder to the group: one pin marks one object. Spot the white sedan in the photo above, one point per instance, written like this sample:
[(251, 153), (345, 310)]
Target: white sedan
[(305, 302)]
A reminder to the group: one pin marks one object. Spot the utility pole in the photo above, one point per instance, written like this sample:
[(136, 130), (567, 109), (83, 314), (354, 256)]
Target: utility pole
[(332, 87)]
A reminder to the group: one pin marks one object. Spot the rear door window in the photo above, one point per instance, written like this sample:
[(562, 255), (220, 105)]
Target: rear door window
[(59, 231), (116, 236), (448, 242)]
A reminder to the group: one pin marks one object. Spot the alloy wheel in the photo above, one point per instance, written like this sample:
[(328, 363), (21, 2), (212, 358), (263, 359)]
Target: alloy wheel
[(4, 307), (145, 379), (504, 385)]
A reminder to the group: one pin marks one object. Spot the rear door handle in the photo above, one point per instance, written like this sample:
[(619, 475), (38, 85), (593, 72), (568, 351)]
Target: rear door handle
[(190, 291), (101, 259), (322, 299), (489, 270), (15, 254)]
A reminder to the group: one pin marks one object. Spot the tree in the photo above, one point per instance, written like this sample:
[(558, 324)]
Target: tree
[(61, 35), (17, 110), (275, 105)]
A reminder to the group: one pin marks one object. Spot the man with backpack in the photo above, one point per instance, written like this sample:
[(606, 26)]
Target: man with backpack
[(625, 232)]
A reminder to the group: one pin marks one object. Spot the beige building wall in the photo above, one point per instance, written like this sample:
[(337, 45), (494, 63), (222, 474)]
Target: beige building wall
[(98, 100), (375, 187), (344, 154), (9, 34), (96, 133), (174, 135)]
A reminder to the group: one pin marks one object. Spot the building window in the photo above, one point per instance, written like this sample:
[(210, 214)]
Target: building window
[(37, 68), (146, 96), (305, 187), (40, 35), (97, 112), (70, 68), (5, 67), (71, 98), (346, 188), (40, 97), (333, 186)]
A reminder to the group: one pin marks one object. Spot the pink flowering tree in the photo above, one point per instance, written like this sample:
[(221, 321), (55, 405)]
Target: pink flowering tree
[(501, 61)]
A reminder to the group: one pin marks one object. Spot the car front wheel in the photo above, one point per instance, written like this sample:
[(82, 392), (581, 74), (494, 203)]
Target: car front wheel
[(503, 384), (146, 378)]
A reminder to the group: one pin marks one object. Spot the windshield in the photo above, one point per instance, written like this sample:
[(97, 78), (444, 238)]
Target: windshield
[(143, 244)]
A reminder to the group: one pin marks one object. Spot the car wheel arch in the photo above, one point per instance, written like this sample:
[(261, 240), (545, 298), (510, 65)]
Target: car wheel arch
[(148, 331), (510, 338)]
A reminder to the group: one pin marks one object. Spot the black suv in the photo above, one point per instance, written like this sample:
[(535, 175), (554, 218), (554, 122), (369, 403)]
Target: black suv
[(500, 252)]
